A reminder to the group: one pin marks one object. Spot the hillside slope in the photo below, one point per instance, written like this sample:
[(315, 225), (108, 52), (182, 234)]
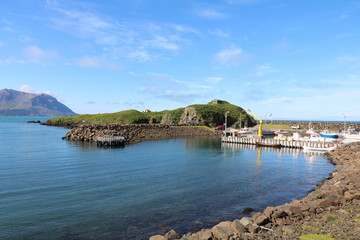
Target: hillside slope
[(199, 114), (16, 103)]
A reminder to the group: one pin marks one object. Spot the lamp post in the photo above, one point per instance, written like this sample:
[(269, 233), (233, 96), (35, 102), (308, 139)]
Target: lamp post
[(240, 121), (226, 119), (344, 122), (265, 118)]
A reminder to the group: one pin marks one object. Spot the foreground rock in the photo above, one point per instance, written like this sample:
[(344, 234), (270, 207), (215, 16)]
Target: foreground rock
[(331, 211), (135, 132)]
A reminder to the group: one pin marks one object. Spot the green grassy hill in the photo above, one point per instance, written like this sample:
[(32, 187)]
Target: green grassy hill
[(206, 114)]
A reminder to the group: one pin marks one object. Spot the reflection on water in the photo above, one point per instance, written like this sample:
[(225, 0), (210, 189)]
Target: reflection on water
[(310, 156)]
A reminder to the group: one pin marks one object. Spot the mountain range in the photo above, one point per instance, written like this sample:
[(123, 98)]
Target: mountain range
[(16, 103)]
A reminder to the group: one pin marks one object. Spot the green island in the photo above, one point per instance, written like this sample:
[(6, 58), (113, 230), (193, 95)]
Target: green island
[(211, 115)]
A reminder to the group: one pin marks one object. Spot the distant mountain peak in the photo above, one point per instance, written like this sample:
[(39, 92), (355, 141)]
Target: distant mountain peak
[(17, 103)]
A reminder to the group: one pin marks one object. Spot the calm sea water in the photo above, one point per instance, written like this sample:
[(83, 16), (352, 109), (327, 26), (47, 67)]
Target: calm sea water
[(55, 189)]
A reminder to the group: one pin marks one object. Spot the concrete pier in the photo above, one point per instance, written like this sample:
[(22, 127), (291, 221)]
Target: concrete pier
[(283, 143), (109, 141)]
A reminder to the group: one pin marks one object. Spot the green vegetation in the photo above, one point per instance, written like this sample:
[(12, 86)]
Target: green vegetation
[(330, 218), (312, 228), (275, 126), (209, 115), (357, 220), (315, 237)]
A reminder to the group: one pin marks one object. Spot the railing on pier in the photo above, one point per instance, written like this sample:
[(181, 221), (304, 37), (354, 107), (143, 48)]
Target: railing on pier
[(282, 143)]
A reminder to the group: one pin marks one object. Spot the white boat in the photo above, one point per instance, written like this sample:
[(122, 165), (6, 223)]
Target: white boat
[(311, 132), (351, 135), (317, 138), (245, 132), (280, 131), (318, 149)]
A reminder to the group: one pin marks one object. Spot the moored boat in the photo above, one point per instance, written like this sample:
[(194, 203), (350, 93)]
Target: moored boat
[(351, 135), (328, 134), (280, 131), (245, 132), (328, 149)]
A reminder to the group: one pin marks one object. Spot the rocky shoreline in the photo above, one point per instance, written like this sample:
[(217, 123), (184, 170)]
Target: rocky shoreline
[(136, 132), (331, 211)]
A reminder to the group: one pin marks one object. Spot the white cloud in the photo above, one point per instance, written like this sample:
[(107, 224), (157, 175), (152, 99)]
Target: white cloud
[(242, 1), (161, 42), (262, 70), (95, 62), (8, 29), (9, 61), (139, 40), (2, 44), (342, 17), (185, 29), (28, 89), (281, 46), (211, 13), (213, 80), (37, 55), (231, 57), (218, 33), (88, 62)]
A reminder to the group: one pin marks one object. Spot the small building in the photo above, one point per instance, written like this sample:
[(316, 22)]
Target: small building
[(217, 101), (146, 110)]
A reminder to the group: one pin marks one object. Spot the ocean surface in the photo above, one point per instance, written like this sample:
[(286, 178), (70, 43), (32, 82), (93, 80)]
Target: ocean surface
[(56, 189)]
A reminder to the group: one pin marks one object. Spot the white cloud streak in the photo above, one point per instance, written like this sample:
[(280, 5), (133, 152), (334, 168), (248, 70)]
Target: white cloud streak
[(218, 33), (211, 13), (121, 38), (38, 55), (231, 57)]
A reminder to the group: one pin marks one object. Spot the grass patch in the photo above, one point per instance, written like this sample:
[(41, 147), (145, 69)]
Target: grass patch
[(330, 218), (311, 227), (357, 220), (275, 126), (350, 210), (316, 237)]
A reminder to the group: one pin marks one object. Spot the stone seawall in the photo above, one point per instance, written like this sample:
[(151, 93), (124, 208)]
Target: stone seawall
[(135, 132), (335, 126), (331, 211)]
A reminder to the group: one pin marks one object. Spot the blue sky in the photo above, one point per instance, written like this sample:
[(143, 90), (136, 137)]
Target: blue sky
[(291, 59)]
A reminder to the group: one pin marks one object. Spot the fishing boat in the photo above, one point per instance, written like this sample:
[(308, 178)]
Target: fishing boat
[(318, 138), (351, 135), (311, 132), (328, 149), (245, 132), (280, 131), (260, 144), (328, 134)]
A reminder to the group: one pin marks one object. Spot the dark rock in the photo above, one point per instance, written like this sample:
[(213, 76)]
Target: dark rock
[(247, 210)]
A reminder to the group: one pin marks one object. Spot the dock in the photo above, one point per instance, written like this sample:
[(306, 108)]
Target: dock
[(283, 143), (110, 141)]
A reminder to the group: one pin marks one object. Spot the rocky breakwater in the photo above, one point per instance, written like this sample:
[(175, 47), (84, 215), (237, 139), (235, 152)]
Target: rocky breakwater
[(334, 126), (134, 132), (330, 211)]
